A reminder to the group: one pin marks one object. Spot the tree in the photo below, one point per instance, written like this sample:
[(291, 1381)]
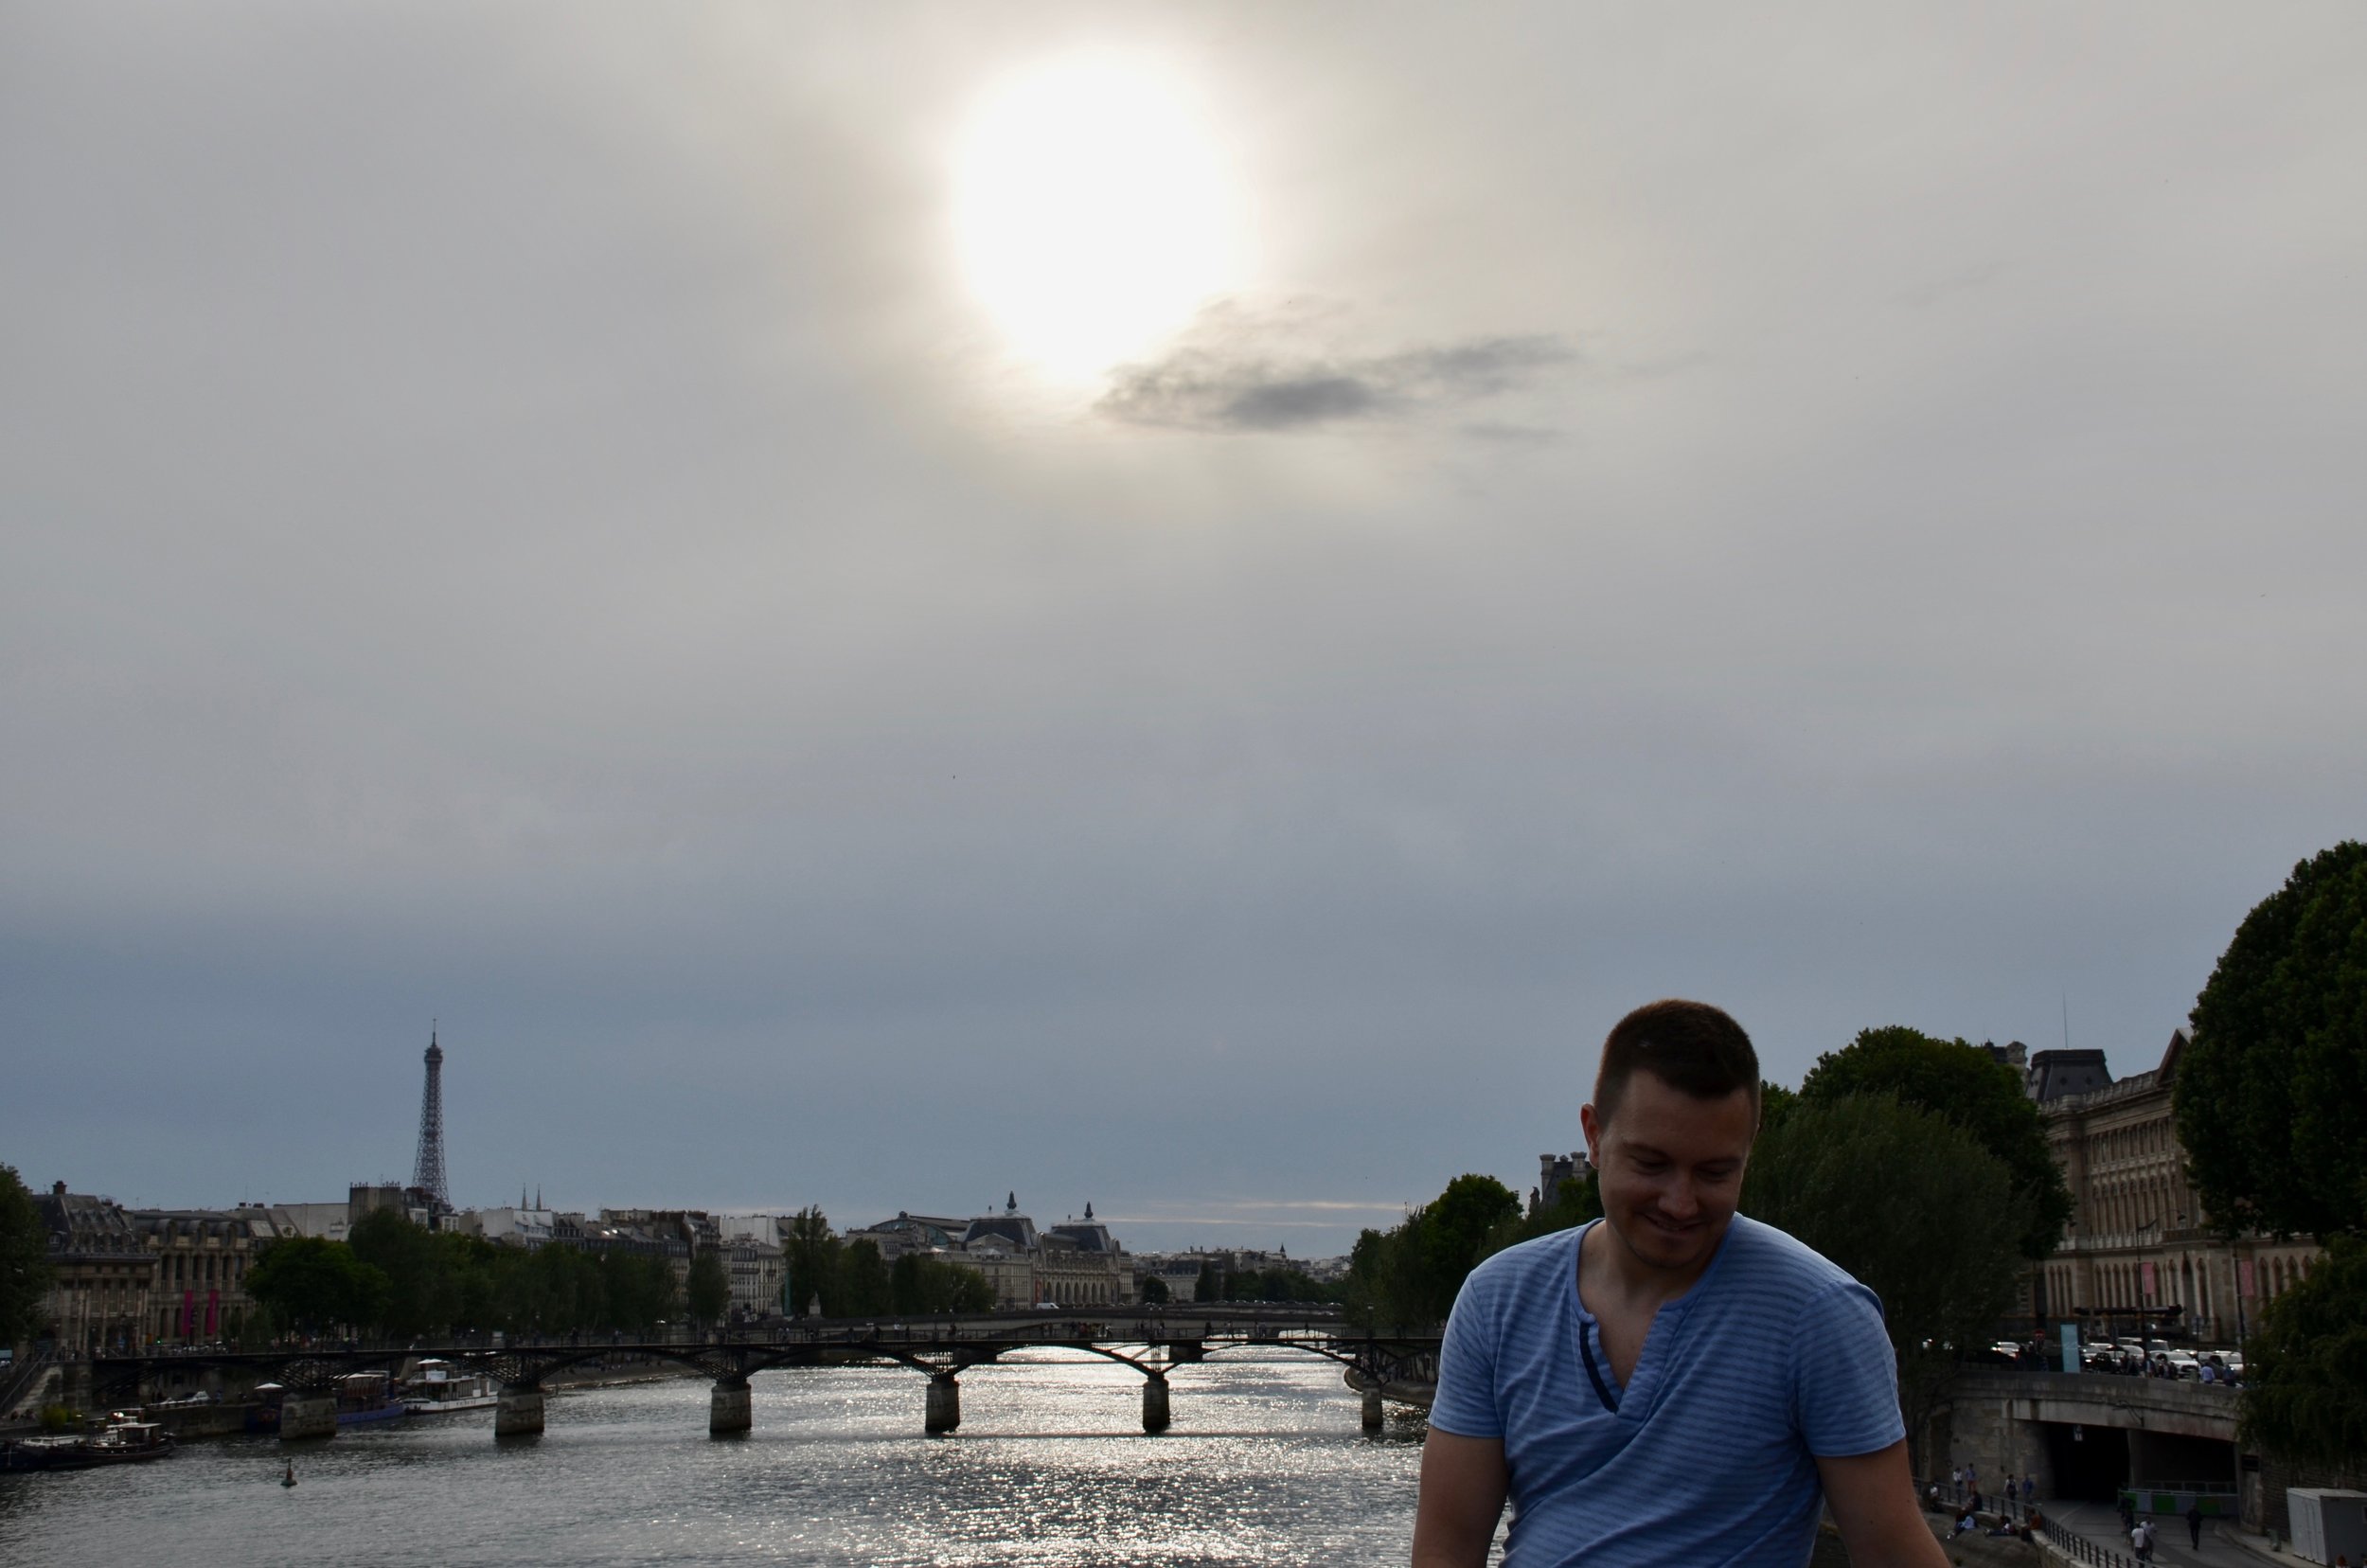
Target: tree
[(422, 1297), (709, 1290), (23, 1259), (812, 1251), (312, 1283), (2272, 1091), (635, 1290), (922, 1284), (2306, 1365), (1573, 1204), (1972, 1090), (1911, 1204), (863, 1282), (1408, 1277), (1154, 1291)]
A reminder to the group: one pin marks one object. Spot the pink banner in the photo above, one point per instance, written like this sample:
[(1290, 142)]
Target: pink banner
[(188, 1313), (2146, 1272), (2243, 1280)]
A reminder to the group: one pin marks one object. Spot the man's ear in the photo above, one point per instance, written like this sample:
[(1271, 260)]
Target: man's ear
[(1590, 1124)]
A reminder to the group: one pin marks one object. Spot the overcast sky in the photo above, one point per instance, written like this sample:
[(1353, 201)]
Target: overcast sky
[(538, 517)]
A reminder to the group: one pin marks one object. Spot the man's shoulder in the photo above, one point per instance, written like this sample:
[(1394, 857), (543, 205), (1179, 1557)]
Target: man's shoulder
[(1527, 1267), (1764, 1260)]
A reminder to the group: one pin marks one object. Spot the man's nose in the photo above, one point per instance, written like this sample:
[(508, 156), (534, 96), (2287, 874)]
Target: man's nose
[(1683, 1202)]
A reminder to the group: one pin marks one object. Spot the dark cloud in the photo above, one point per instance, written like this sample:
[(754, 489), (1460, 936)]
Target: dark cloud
[(1235, 384)]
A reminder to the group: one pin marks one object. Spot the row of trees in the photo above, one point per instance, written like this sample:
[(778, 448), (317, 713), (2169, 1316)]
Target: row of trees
[(851, 1279), (1219, 1283), (396, 1278), (2271, 1104)]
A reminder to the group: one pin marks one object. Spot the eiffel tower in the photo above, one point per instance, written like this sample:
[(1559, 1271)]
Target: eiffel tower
[(427, 1175)]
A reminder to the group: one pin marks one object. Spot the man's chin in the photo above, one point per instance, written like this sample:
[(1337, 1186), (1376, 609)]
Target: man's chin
[(1668, 1249)]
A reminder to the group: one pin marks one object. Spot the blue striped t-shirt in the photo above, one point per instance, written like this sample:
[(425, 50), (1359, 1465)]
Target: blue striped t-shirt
[(1708, 1455)]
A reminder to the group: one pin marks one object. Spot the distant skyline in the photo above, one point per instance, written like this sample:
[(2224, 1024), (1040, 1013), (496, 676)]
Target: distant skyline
[(1170, 605)]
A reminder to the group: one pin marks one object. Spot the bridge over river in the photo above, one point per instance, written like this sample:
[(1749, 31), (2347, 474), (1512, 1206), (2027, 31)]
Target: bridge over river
[(1150, 1341)]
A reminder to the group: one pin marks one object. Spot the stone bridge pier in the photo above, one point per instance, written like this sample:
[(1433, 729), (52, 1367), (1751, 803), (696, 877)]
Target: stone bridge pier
[(945, 1405), (520, 1411), (1155, 1416), (307, 1413), (730, 1409)]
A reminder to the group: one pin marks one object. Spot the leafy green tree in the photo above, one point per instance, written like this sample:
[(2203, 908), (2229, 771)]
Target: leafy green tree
[(422, 1295), (636, 1292), (1573, 1204), (918, 1283), (812, 1251), (1407, 1277), (2306, 1365), (1776, 1103), (2271, 1092), (708, 1290), (863, 1282), (1968, 1087), (1912, 1205), (311, 1283), (1154, 1291), (23, 1259)]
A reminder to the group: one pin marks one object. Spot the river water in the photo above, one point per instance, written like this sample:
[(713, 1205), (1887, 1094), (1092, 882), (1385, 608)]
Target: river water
[(1265, 1464)]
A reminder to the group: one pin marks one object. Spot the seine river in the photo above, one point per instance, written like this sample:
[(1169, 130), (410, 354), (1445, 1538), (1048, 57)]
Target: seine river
[(1265, 1464)]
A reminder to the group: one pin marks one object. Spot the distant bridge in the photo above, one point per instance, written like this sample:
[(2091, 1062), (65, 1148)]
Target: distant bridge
[(1153, 1341)]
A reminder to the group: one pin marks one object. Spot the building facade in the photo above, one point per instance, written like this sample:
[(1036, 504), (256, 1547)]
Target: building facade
[(1077, 1263), (201, 1257), (101, 1275), (2139, 1248)]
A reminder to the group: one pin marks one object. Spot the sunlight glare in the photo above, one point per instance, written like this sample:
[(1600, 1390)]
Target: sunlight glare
[(1090, 212)]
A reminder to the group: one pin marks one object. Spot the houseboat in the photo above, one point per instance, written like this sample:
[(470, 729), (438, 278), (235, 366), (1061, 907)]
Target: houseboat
[(121, 1443), (441, 1387), (368, 1396)]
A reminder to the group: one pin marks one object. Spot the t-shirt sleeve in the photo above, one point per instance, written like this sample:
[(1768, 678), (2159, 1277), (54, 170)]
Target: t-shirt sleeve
[(1845, 1381), (1465, 1403)]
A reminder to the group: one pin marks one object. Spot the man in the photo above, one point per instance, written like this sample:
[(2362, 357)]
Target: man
[(1670, 1384), (2141, 1540), (2194, 1525)]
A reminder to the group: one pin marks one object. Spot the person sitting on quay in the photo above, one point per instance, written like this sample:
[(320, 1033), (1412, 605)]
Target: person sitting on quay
[(1672, 1383)]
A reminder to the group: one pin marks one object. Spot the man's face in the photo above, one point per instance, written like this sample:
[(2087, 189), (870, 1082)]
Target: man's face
[(1670, 1169)]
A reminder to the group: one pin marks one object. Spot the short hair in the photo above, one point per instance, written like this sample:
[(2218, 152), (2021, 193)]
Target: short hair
[(1691, 1047)]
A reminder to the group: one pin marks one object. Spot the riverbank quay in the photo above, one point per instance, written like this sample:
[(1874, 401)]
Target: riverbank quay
[(2223, 1545)]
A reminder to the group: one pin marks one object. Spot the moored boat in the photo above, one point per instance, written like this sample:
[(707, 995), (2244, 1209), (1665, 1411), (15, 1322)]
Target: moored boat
[(121, 1443), (368, 1396), (441, 1387)]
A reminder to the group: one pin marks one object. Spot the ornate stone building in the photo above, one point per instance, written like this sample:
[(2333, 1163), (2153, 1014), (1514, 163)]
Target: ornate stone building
[(101, 1275), (201, 1257), (1074, 1264), (2139, 1246)]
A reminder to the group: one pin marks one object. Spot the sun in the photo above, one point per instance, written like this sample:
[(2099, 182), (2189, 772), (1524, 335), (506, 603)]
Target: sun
[(1091, 213)]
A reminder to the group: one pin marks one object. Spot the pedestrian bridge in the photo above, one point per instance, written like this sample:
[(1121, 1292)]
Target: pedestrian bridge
[(1150, 1341)]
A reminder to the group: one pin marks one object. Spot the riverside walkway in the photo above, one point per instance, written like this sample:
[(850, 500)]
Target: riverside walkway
[(1152, 1342)]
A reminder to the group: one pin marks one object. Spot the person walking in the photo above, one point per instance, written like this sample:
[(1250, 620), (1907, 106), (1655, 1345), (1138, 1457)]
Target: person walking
[(2194, 1525), (2142, 1539)]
